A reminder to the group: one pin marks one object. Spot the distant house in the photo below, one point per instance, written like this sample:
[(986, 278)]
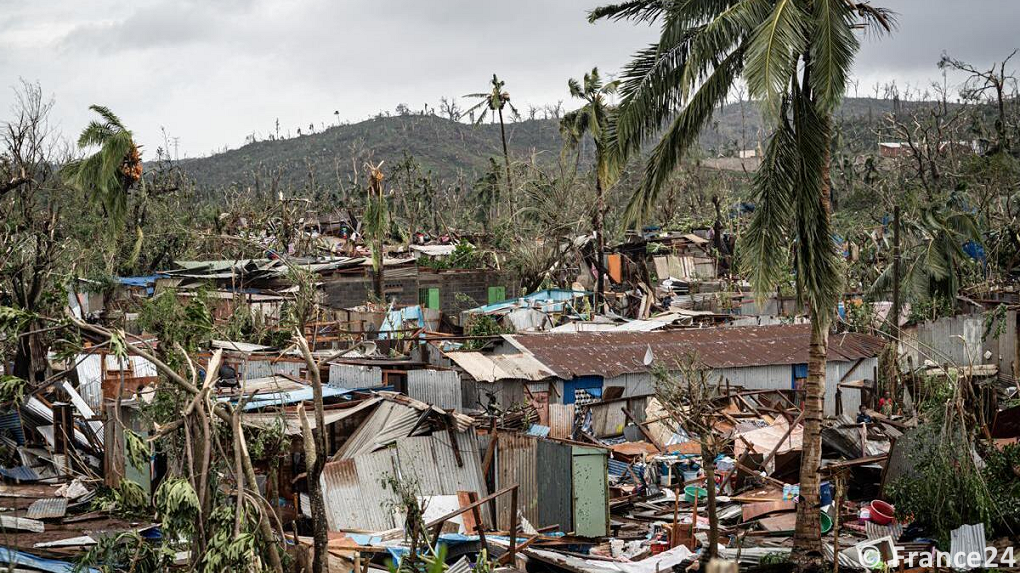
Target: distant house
[(892, 149), (586, 366)]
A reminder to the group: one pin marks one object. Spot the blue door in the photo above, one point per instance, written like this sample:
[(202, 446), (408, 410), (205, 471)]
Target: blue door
[(590, 385)]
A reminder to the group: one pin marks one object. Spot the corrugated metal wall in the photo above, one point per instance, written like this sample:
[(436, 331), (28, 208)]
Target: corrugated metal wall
[(354, 495), (437, 387), (264, 368), (431, 461), (353, 376), (517, 463), (554, 486), (561, 420), (834, 372), (958, 340)]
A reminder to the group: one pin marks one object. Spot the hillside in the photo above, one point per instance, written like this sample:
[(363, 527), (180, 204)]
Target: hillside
[(452, 149)]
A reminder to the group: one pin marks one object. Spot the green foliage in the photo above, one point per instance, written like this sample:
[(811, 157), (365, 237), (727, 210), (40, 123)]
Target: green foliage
[(945, 488), (107, 174), (483, 325), (1000, 473), (267, 444), (12, 389), (173, 322), (932, 308), (464, 256), (224, 550), (137, 450), (860, 317), (126, 500), (125, 551), (177, 508)]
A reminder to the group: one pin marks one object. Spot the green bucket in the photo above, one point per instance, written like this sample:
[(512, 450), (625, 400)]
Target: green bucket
[(826, 523), (692, 491)]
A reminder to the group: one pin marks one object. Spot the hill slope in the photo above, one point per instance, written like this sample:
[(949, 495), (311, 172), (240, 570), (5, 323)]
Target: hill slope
[(452, 149)]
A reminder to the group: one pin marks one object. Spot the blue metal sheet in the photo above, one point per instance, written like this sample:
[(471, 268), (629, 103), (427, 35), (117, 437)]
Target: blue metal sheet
[(18, 558), (20, 474), (11, 421), (291, 397), (592, 384)]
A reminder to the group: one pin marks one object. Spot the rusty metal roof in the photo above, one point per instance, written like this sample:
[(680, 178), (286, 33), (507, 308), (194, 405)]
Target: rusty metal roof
[(614, 353)]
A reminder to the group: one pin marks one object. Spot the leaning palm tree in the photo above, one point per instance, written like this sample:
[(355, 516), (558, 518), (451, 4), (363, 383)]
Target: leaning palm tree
[(795, 56), (494, 101), (107, 174), (593, 119)]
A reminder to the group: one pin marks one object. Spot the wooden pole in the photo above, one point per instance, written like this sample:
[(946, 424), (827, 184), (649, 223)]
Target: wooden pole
[(513, 527)]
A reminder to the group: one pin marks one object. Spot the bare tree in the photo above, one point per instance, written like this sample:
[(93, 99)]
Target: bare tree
[(692, 402), (450, 109)]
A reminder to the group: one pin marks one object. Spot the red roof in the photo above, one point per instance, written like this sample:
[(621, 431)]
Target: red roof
[(623, 352)]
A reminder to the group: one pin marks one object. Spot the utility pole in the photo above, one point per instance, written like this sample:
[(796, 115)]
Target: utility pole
[(894, 313)]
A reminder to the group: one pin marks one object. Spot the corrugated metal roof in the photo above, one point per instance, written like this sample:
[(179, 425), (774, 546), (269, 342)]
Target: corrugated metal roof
[(614, 353), (493, 367), (292, 422), (438, 387), (47, 508)]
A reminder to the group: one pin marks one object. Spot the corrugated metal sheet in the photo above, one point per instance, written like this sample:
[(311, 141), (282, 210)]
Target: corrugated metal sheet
[(292, 422), (432, 462), (493, 367), (960, 340), (355, 376), (265, 367), (610, 354), (90, 379), (47, 508), (967, 540), (386, 424), (354, 495), (561, 420), (554, 486), (517, 463), (438, 387), (608, 419)]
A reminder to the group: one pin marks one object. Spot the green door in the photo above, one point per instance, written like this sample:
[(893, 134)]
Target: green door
[(591, 492), (496, 294), (429, 298)]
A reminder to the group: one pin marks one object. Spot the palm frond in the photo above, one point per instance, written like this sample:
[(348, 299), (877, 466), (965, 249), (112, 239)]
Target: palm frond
[(636, 10), (108, 115), (833, 45), (819, 265), (772, 54), (765, 245), (682, 134)]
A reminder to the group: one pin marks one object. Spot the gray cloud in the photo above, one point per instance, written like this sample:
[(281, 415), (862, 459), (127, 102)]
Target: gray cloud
[(211, 73)]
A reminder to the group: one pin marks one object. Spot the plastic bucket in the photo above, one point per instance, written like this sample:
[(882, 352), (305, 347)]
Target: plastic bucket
[(881, 512), (692, 491), (826, 522)]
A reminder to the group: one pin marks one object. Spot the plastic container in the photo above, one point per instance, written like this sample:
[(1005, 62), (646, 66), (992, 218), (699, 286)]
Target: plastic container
[(692, 491), (826, 522), (825, 493), (882, 513), (690, 475)]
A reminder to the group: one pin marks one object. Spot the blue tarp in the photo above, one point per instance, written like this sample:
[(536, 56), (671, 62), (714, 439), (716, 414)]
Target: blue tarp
[(148, 282), (548, 300), (18, 558), (396, 319), (291, 397)]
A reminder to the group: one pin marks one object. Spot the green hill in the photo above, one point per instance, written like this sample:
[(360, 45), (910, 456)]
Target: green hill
[(451, 149)]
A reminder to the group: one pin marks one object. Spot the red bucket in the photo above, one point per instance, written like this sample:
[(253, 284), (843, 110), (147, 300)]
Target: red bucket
[(881, 512)]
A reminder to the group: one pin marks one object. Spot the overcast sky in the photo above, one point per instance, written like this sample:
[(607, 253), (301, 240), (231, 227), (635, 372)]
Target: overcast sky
[(211, 72)]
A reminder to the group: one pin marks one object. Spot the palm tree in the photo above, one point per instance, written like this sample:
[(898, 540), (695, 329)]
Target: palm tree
[(593, 119), (933, 250), (108, 174), (795, 56), (375, 225), (495, 101)]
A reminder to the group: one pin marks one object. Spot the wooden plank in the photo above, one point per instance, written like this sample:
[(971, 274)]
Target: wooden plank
[(21, 524)]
